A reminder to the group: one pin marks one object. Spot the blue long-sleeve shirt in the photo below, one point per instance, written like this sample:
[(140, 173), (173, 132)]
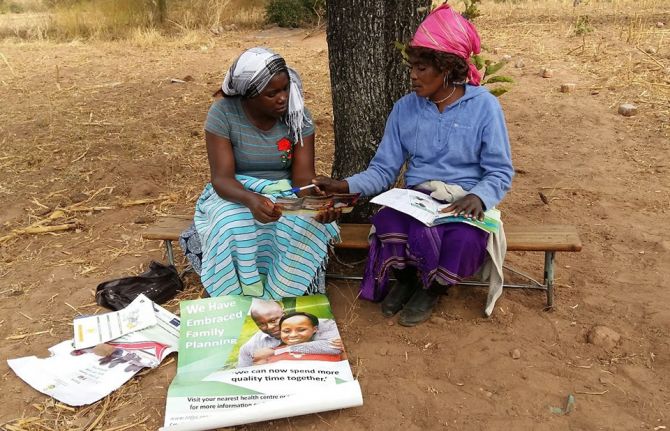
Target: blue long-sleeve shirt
[(467, 144)]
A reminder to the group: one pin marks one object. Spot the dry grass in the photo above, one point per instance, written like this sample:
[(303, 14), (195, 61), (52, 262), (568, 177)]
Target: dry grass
[(210, 15), (51, 415), (21, 6), (126, 19), (623, 52)]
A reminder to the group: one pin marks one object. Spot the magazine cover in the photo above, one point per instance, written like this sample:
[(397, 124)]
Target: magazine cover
[(244, 360)]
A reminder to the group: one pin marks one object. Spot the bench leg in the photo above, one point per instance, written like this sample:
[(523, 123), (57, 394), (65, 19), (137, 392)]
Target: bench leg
[(549, 277), (169, 252)]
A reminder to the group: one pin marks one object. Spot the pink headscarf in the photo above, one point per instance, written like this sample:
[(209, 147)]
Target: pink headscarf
[(446, 30)]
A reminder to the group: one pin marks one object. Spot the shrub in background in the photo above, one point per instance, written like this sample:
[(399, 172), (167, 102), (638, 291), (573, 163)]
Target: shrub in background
[(211, 14), (102, 19), (295, 13), (10, 7)]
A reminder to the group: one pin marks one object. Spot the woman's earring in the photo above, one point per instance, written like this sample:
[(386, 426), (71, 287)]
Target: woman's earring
[(445, 81)]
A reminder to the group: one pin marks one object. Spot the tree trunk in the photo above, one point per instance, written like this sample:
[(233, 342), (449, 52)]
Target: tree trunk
[(367, 76), (159, 11)]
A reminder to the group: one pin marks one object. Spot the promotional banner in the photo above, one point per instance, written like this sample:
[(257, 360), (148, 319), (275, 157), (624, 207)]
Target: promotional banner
[(244, 360)]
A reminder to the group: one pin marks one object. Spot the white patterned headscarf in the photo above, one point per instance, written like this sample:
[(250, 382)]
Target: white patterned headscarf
[(251, 73)]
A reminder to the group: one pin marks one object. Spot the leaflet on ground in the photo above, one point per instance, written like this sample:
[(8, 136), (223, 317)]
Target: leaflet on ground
[(84, 376), (244, 360), (90, 331)]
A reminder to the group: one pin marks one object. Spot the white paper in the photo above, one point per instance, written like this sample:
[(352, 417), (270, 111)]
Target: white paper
[(331, 397), (253, 382), (416, 204), (80, 377), (74, 379), (429, 211), (93, 330)]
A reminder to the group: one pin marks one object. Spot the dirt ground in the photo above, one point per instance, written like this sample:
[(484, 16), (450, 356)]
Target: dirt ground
[(96, 128)]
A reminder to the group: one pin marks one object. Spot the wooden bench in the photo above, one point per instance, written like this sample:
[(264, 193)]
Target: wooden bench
[(549, 239)]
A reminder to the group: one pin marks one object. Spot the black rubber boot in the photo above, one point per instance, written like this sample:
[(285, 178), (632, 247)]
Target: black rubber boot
[(419, 308), (407, 283)]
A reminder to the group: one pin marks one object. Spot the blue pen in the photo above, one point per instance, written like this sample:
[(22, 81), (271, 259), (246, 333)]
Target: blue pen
[(296, 189)]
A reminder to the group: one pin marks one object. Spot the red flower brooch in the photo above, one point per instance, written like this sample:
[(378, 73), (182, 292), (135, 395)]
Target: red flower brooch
[(284, 144), (285, 147)]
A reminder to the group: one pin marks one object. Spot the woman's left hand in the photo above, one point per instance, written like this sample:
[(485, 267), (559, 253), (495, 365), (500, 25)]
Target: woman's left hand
[(470, 206), (328, 216)]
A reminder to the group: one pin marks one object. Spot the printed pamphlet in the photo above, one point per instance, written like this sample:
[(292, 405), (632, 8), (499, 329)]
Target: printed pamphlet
[(90, 331), (83, 376), (429, 211), (311, 205)]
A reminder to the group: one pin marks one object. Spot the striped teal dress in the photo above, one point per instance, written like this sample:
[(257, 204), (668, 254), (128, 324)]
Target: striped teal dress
[(241, 256)]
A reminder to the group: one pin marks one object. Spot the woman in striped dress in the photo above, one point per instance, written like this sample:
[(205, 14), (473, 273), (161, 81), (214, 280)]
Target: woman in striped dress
[(260, 142)]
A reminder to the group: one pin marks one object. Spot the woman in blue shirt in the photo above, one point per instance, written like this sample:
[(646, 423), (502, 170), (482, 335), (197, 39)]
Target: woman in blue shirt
[(452, 134)]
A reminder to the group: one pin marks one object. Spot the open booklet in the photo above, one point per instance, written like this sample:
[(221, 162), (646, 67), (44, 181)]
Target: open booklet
[(429, 211), (311, 205)]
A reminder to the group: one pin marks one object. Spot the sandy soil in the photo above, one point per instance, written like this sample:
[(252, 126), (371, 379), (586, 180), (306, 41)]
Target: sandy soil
[(100, 125)]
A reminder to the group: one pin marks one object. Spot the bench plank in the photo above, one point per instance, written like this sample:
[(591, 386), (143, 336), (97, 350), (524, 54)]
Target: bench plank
[(519, 238), (553, 237), (354, 235), (167, 228)]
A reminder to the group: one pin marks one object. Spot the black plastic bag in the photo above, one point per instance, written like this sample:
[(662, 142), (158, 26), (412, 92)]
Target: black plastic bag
[(159, 283)]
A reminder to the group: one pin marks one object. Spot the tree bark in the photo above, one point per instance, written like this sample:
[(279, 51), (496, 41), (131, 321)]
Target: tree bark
[(367, 76), (159, 11)]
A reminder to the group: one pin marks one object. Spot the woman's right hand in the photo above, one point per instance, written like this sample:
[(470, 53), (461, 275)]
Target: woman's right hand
[(262, 208), (328, 185)]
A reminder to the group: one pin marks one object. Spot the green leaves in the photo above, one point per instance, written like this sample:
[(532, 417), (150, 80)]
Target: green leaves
[(499, 78), (295, 13), (478, 61), (499, 91), (583, 25), (402, 48), (489, 69), (471, 10), (492, 69)]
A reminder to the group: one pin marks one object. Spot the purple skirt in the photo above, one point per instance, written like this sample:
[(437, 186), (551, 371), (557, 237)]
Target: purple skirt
[(444, 254)]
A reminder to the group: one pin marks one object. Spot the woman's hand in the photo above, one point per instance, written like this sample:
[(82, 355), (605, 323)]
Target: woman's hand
[(262, 208), (328, 216), (325, 185), (470, 206)]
